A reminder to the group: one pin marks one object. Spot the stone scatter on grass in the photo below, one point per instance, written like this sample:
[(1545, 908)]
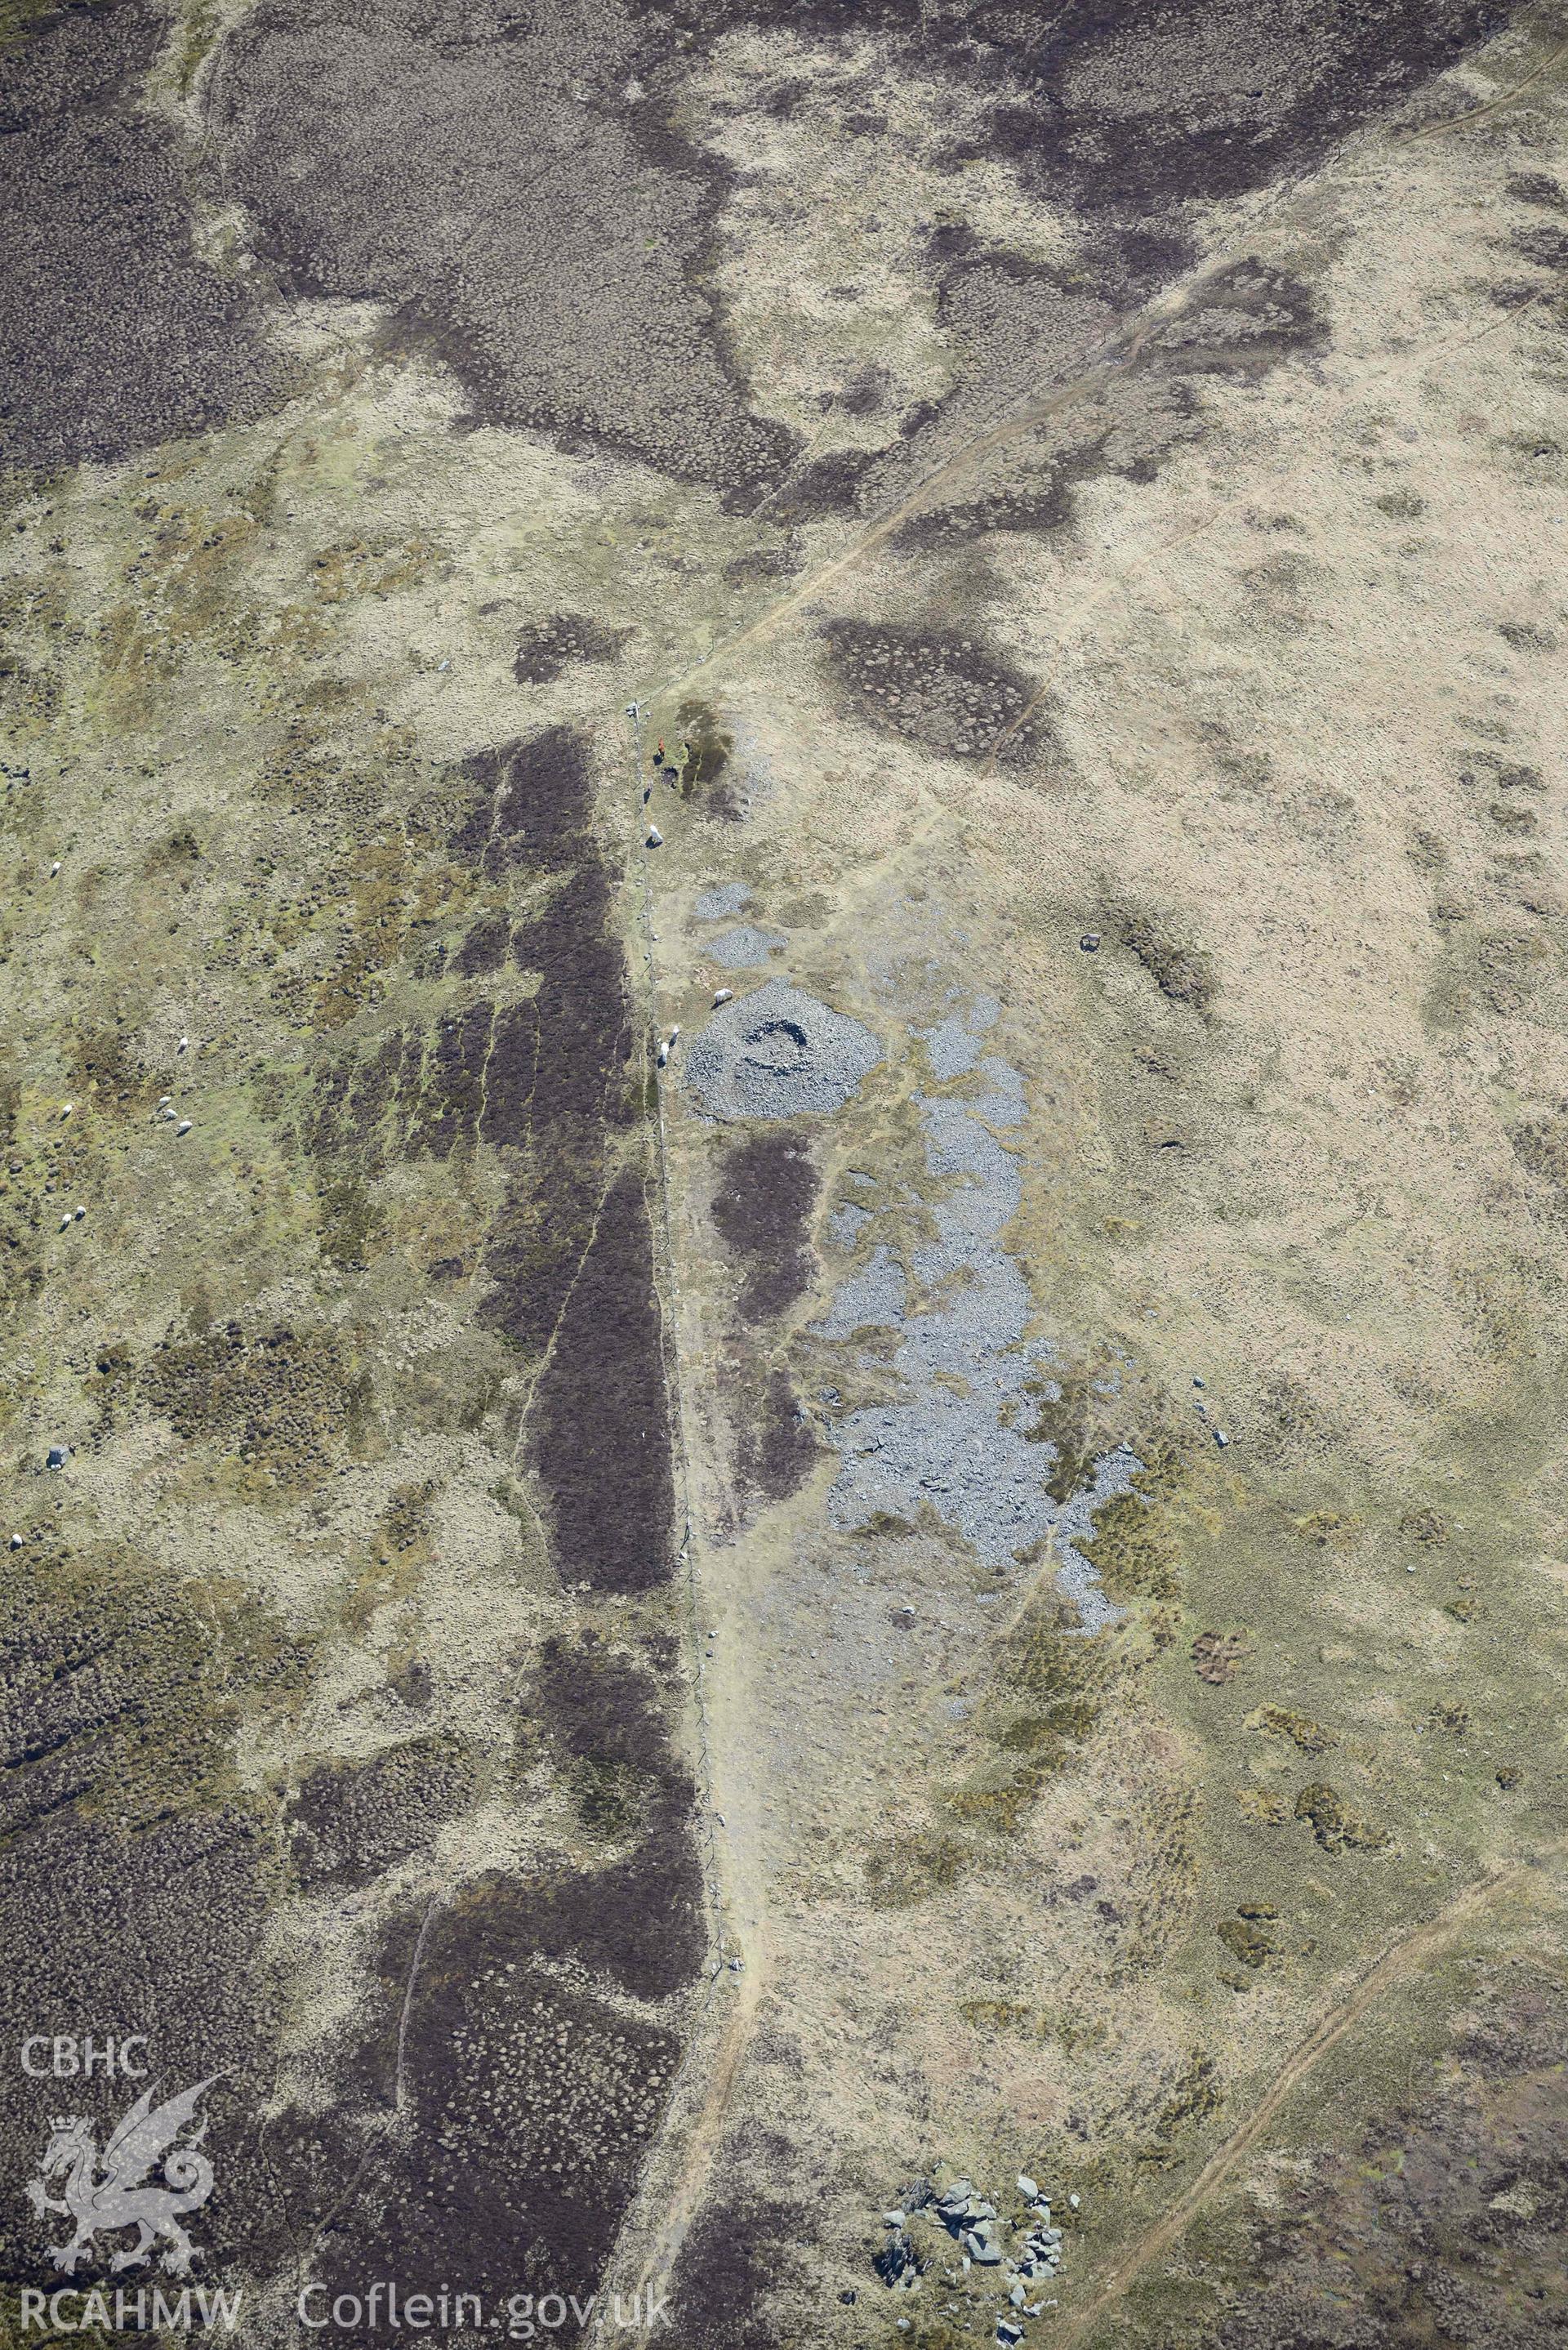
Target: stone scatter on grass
[(1014, 2257), (953, 1439), (953, 1047), (724, 897), (844, 1222), (743, 948), (1002, 1104), (872, 1298)]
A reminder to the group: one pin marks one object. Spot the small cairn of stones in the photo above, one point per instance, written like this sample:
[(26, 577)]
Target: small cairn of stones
[(1018, 2257)]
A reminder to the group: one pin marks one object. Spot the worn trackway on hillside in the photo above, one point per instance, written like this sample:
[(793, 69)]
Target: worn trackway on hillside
[(1417, 1949), (1124, 570), (682, 2199), (1029, 409)]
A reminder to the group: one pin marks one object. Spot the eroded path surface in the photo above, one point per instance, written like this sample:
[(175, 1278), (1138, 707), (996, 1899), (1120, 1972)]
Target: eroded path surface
[(847, 1478)]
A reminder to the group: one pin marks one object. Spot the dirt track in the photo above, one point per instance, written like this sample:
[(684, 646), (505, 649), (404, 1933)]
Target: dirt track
[(1404, 1958)]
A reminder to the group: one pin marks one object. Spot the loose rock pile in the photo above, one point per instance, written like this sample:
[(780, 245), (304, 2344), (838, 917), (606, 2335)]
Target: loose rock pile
[(953, 1437), (778, 1052), (743, 948), (1016, 2257)]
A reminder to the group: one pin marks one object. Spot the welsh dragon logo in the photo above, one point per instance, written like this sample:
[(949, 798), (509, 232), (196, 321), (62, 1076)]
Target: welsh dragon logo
[(103, 2198)]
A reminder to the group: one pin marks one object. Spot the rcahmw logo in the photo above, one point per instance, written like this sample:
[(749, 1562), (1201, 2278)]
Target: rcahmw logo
[(151, 2176)]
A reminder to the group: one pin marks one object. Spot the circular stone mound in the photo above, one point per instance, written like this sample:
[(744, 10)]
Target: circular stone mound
[(779, 1053)]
